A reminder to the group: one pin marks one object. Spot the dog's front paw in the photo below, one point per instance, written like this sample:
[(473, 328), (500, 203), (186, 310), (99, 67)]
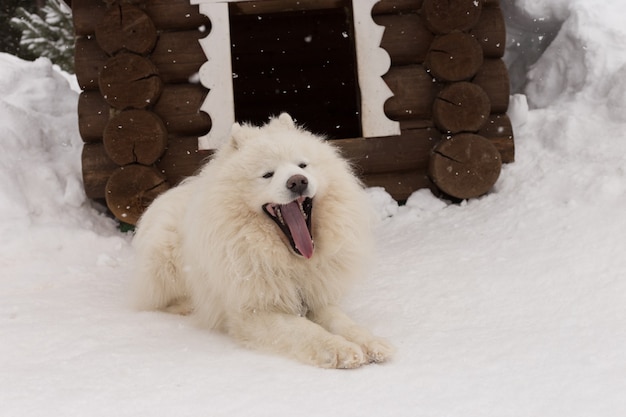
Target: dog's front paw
[(378, 350), (337, 352)]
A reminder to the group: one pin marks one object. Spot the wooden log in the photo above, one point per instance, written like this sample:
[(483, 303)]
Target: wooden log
[(281, 6), (406, 39), (175, 15), (93, 115), (414, 92), (182, 159), (499, 131), (130, 194), (461, 107), (453, 57), (126, 27), (177, 56), (493, 78), (465, 166), (129, 81), (165, 14), (490, 32), (86, 14), (135, 136), (97, 169), (445, 16), (408, 151), (131, 189), (88, 62), (396, 6), (402, 6), (178, 107)]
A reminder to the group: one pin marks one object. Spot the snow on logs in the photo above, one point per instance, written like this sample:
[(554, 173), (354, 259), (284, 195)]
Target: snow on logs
[(139, 114)]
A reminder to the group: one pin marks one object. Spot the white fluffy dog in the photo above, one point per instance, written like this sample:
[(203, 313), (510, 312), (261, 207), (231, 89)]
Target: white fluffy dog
[(262, 244)]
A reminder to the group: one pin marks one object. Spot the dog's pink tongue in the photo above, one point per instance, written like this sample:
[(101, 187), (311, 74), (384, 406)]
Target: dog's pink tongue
[(293, 217)]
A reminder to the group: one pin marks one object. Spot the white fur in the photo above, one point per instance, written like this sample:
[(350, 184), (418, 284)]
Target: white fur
[(207, 248)]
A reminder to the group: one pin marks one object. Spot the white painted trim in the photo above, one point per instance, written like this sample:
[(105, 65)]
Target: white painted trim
[(216, 74), (372, 63)]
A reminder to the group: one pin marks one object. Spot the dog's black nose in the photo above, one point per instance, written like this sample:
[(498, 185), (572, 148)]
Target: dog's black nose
[(297, 184)]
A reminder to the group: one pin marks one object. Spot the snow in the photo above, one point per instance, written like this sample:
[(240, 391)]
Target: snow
[(513, 304)]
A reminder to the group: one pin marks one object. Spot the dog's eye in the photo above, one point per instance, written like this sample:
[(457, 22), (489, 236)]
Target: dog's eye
[(302, 165), (269, 174)]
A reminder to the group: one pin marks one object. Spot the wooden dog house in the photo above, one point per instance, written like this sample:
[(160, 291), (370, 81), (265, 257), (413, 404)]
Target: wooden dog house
[(414, 92)]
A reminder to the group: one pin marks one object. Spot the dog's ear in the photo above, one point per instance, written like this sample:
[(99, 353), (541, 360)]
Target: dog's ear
[(285, 120), (239, 134), (236, 132)]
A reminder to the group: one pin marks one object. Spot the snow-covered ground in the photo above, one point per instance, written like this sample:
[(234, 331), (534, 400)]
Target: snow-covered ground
[(513, 304)]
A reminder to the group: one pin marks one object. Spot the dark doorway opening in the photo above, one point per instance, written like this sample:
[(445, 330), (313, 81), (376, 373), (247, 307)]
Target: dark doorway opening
[(301, 60)]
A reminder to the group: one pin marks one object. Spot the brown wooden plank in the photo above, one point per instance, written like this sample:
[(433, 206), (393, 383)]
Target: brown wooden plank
[(409, 151)]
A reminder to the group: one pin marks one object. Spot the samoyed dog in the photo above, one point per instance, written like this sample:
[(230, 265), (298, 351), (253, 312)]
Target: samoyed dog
[(261, 245)]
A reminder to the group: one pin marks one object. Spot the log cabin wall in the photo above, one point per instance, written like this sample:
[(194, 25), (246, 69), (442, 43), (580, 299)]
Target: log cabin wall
[(139, 110), (451, 92)]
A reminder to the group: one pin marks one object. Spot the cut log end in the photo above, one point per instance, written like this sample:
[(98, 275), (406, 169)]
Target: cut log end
[(129, 81), (461, 107), (135, 136), (126, 27), (131, 189), (454, 57), (465, 166)]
